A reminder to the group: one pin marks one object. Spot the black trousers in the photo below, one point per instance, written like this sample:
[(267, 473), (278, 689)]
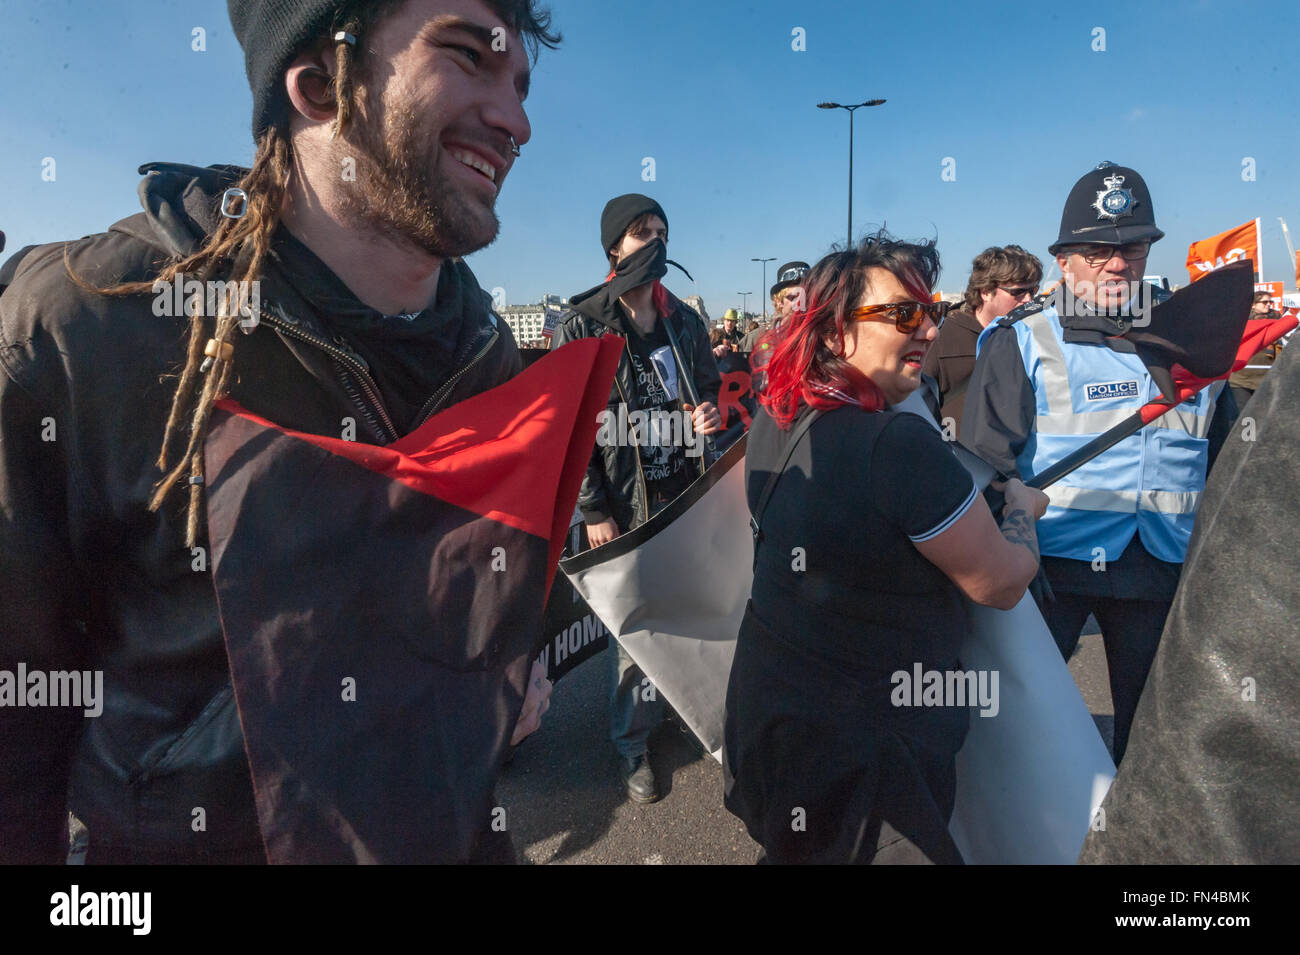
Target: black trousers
[(1131, 632)]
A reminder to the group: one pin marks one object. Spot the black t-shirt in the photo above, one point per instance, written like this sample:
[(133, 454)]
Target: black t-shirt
[(838, 573), (654, 370)]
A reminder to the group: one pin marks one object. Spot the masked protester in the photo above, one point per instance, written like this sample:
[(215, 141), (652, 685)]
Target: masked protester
[(1057, 372), (357, 312), (629, 481)]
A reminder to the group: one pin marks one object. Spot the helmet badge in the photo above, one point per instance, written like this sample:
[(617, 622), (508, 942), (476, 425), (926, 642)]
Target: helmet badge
[(1114, 202)]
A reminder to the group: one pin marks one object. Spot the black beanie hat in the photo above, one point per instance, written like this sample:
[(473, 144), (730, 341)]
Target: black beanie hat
[(622, 212), (272, 33)]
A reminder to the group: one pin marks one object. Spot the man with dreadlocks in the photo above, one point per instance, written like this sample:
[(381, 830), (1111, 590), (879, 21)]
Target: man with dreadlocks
[(384, 131)]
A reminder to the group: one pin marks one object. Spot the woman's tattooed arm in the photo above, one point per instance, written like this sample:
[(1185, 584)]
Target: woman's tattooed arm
[(1018, 528)]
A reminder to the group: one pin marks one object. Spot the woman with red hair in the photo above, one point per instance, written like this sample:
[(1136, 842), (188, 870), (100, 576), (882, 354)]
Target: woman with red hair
[(868, 529)]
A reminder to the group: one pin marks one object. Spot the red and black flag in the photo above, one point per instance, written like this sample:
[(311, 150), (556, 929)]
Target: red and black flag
[(382, 606), (1198, 328)]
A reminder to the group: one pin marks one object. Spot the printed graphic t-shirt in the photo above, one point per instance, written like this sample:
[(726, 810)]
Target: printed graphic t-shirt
[(663, 453)]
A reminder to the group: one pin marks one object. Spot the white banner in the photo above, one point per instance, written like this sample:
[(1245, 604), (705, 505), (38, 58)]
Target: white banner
[(1029, 780)]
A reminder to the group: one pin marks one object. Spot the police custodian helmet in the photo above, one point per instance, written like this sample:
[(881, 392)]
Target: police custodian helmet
[(1110, 204)]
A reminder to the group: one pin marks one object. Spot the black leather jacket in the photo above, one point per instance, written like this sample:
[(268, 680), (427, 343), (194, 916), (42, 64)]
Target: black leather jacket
[(90, 579), (615, 484)]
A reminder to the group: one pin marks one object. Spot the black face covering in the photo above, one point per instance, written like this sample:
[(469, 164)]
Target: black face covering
[(647, 264)]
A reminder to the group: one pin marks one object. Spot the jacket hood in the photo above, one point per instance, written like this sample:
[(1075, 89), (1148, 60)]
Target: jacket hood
[(182, 205), (596, 306)]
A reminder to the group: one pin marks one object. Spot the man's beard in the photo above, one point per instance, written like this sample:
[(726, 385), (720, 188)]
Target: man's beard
[(399, 194)]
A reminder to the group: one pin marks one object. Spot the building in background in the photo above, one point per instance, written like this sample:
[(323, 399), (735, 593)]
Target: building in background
[(697, 302), (530, 324), (526, 321)]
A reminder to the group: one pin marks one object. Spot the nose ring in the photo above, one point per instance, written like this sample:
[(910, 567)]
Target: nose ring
[(514, 147)]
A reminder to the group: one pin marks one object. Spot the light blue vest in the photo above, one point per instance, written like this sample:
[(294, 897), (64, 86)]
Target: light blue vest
[(1149, 484)]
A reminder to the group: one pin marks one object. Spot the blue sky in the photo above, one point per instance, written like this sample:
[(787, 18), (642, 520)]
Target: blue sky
[(745, 164)]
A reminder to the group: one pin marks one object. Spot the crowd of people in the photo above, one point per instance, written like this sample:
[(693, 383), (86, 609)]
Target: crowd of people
[(371, 316)]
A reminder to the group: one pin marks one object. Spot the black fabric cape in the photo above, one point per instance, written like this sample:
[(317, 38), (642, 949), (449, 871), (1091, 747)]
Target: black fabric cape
[(382, 605)]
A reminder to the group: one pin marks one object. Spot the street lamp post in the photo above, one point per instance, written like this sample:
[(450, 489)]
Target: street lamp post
[(764, 285), (870, 102), (744, 297)]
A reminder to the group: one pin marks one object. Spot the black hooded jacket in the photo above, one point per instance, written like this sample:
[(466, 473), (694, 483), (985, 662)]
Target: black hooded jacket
[(615, 484), (91, 580)]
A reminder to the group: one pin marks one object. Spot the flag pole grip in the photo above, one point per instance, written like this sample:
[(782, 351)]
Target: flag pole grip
[(1098, 445), (684, 383)]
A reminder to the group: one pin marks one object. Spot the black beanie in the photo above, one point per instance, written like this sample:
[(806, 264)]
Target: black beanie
[(621, 212), (272, 33)]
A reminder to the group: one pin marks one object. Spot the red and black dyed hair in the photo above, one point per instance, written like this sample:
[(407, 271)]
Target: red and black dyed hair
[(805, 363)]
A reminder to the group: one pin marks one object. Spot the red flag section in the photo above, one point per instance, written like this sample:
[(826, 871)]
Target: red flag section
[(1259, 334), (382, 606)]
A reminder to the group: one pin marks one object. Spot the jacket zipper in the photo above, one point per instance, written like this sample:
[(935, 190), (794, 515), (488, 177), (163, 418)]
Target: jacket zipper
[(283, 324), (441, 394)]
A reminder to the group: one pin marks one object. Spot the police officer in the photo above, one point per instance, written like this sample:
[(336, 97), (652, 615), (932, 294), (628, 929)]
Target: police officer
[(1057, 372)]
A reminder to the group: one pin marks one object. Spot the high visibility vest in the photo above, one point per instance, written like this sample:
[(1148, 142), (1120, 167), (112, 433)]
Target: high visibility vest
[(1149, 484)]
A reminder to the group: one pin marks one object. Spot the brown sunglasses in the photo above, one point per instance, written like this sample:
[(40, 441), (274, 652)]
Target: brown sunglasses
[(908, 316)]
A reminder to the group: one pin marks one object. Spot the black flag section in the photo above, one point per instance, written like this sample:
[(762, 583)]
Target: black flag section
[(382, 607), (1199, 328)]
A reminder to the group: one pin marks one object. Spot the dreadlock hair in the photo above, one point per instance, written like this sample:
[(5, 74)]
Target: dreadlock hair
[(239, 246)]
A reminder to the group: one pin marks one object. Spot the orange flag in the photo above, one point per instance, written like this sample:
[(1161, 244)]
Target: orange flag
[(1223, 249)]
